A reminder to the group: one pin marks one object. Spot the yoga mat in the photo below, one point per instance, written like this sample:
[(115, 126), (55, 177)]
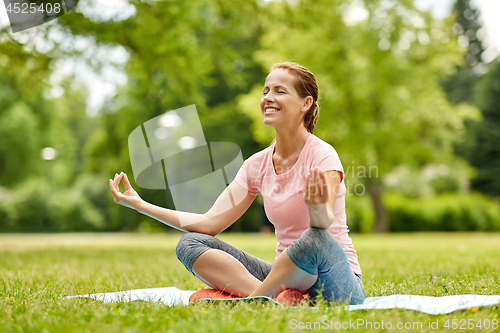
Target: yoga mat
[(169, 296), (427, 304)]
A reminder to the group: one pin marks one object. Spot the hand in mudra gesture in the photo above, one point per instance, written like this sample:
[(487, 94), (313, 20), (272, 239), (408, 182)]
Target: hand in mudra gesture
[(316, 188), (129, 198), (319, 199)]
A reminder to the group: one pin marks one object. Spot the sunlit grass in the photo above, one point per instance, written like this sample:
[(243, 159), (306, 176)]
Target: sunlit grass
[(36, 271)]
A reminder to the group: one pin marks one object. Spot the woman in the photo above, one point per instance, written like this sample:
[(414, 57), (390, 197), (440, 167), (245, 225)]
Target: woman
[(300, 178)]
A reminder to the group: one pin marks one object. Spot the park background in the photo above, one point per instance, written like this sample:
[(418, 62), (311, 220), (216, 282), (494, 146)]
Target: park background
[(410, 100)]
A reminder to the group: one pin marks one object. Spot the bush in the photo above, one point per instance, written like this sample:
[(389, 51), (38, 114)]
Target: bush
[(360, 215), (35, 206), (447, 212)]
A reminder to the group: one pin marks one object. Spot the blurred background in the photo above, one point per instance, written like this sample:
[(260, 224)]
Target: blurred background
[(410, 99)]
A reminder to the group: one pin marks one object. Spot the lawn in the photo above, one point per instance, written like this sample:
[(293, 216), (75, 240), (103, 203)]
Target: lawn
[(37, 270)]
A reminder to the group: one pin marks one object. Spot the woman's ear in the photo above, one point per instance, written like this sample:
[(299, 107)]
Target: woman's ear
[(308, 101)]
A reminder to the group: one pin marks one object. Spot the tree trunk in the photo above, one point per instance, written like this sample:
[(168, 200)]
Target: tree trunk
[(374, 188)]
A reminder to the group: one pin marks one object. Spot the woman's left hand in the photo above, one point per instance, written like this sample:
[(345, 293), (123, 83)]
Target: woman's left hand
[(320, 194), (316, 188)]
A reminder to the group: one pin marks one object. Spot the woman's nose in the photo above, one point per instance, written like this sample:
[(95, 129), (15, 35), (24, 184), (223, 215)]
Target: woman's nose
[(268, 97)]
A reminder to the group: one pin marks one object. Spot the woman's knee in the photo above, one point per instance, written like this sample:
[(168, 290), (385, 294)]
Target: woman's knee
[(191, 246), (314, 248), (314, 239)]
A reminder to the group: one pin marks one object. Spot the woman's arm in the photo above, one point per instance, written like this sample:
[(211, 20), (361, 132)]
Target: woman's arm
[(222, 214), (320, 193)]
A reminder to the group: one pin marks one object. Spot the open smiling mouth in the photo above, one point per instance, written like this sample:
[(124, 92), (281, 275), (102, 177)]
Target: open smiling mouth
[(271, 110)]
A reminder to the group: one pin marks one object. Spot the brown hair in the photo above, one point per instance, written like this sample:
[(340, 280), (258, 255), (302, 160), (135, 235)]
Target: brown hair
[(306, 85)]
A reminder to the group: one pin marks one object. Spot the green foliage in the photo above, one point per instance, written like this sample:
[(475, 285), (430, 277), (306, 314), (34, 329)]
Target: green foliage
[(379, 79), (460, 86), (379, 76), (23, 79), (430, 180), (360, 216), (447, 212), (37, 206), (18, 151), (68, 130), (381, 100), (179, 54), (482, 146)]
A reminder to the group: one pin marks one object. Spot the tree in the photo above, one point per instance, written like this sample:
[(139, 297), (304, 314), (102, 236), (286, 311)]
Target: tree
[(180, 53), (378, 64), (460, 86), (23, 110), (483, 147), (470, 85), (40, 195)]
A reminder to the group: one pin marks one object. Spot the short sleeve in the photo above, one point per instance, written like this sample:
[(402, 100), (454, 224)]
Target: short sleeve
[(243, 178), (328, 160)]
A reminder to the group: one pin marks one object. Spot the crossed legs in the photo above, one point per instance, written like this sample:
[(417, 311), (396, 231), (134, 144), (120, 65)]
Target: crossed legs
[(225, 267), (237, 280), (221, 265), (222, 271), (284, 274), (314, 262)]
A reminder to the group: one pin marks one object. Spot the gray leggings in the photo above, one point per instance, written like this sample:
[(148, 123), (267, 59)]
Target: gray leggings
[(315, 251)]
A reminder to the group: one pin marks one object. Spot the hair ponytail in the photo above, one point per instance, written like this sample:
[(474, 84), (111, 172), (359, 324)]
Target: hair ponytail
[(311, 117)]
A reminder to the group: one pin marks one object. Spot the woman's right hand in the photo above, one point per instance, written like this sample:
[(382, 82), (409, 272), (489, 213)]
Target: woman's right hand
[(129, 198)]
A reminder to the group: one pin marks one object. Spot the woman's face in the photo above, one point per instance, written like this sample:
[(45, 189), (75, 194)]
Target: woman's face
[(281, 105)]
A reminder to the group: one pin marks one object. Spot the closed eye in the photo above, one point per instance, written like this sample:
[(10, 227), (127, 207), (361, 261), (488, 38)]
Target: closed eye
[(278, 92)]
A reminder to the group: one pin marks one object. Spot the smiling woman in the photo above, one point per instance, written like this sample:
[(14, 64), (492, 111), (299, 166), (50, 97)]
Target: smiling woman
[(300, 178), (284, 79)]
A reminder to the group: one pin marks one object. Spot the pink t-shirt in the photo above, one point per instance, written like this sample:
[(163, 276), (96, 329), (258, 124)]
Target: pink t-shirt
[(283, 193)]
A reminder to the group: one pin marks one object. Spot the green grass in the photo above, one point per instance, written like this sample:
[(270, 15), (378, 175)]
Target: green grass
[(37, 270)]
